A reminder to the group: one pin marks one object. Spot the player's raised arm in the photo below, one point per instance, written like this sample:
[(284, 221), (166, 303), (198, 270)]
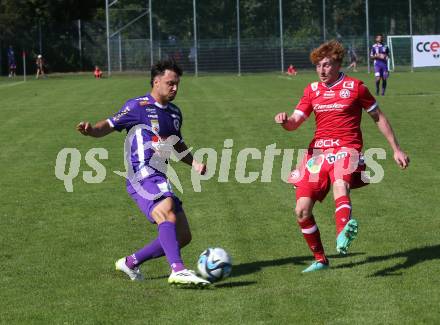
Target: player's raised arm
[(289, 123), (100, 129), (385, 128)]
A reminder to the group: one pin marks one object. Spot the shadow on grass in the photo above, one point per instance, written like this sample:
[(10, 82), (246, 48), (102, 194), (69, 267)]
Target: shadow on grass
[(253, 267), (158, 277), (226, 285), (234, 284), (413, 257), (216, 285)]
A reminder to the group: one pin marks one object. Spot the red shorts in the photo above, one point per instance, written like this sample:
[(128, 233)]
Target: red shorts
[(321, 168)]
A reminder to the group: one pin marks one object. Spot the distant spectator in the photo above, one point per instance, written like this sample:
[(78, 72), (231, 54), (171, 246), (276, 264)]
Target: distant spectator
[(172, 40), (291, 71), (97, 72), (12, 66), (40, 66), (192, 55), (353, 59)]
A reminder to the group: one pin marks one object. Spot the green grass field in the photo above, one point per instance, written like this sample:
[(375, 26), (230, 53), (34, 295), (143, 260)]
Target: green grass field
[(58, 249)]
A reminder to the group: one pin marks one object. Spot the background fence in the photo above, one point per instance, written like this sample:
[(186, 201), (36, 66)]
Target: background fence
[(236, 36)]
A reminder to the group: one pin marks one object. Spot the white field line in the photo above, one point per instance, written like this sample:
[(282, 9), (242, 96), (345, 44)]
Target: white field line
[(12, 84)]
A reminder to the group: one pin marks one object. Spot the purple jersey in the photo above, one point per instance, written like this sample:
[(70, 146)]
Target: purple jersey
[(148, 142), (11, 56), (379, 48)]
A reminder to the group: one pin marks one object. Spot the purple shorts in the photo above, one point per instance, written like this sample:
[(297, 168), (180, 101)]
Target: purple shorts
[(381, 69), (150, 192)]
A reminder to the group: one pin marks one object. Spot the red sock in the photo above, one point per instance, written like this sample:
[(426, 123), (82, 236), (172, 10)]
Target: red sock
[(342, 212), (312, 236)]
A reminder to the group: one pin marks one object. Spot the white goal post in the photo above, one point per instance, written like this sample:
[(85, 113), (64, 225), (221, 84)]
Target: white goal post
[(400, 51)]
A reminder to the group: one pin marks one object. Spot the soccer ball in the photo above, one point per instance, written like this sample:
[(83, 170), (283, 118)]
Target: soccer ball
[(214, 264)]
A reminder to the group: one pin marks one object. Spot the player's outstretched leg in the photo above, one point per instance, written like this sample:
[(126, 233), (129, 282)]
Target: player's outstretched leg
[(179, 275), (342, 212), (311, 234), (165, 217), (153, 250), (131, 263), (346, 227), (345, 233)]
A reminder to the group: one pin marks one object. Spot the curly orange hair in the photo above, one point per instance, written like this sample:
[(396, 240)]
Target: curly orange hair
[(331, 49)]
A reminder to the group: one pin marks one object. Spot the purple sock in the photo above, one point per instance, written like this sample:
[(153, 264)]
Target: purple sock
[(148, 252), (168, 240), (152, 250), (131, 261)]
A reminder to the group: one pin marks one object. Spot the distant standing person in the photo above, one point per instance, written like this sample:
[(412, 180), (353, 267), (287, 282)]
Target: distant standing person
[(353, 59), (40, 66), (379, 53), (12, 66)]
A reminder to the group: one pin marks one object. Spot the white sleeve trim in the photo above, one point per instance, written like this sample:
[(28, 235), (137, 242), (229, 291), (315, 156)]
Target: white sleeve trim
[(301, 113), (109, 121), (372, 108)]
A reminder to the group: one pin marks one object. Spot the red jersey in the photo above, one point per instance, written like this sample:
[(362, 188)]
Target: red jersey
[(338, 111), (291, 70), (98, 73)]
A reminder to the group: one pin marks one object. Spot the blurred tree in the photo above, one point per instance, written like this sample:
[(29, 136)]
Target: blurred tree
[(22, 20)]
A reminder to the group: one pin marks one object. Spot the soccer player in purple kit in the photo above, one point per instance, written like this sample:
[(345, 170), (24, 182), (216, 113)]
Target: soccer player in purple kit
[(379, 53), (12, 66), (154, 119)]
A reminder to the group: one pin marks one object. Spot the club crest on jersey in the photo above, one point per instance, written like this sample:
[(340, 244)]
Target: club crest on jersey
[(155, 126), (348, 84), (314, 86), (314, 164), (344, 93)]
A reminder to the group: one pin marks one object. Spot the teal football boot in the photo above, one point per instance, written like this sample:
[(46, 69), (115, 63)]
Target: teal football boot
[(316, 266), (346, 236)]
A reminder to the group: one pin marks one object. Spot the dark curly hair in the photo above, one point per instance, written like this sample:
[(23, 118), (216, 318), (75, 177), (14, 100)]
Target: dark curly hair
[(159, 68)]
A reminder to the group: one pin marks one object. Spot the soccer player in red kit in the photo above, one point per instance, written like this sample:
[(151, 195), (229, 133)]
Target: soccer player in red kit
[(334, 157), (97, 73), (291, 71)]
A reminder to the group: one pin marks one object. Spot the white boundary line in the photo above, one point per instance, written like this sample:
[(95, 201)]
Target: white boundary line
[(12, 84)]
